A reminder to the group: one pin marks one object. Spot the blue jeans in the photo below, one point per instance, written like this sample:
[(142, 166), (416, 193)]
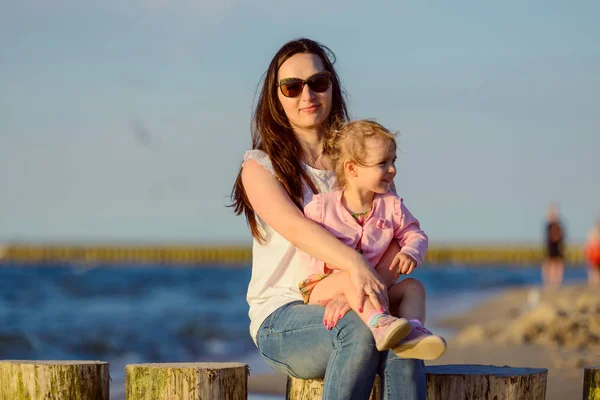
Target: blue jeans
[(294, 341)]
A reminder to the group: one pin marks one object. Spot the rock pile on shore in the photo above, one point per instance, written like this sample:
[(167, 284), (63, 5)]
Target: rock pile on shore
[(566, 321)]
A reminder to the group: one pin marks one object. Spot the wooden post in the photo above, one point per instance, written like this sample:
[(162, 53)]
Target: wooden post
[(446, 382), (591, 383), (453, 382), (187, 381), (312, 389), (41, 380)]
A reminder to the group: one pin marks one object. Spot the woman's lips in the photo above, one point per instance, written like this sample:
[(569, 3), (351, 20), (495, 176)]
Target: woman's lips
[(310, 109)]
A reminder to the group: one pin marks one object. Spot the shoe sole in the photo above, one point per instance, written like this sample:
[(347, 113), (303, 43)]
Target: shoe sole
[(429, 348), (401, 331)]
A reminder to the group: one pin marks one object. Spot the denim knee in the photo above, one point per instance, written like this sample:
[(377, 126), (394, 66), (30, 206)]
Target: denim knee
[(402, 378), (351, 329)]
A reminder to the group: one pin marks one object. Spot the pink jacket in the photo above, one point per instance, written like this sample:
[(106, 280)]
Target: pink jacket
[(389, 220)]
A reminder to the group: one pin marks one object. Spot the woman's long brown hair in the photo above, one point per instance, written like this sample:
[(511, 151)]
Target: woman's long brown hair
[(272, 133)]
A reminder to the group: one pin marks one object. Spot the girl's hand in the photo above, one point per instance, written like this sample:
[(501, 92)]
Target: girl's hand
[(369, 285), (335, 309), (403, 264)]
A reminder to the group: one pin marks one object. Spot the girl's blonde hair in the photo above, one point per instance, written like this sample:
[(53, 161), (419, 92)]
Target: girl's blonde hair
[(348, 142)]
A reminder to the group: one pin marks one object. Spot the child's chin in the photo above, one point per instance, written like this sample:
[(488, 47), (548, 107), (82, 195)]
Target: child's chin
[(382, 189)]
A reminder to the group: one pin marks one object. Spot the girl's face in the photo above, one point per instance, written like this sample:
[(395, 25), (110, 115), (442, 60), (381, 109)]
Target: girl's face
[(380, 171), (309, 109)]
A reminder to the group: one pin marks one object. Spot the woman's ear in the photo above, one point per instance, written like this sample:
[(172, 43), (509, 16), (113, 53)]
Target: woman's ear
[(350, 168)]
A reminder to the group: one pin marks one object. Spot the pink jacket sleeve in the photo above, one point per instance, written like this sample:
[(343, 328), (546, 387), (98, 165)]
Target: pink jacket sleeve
[(314, 211), (412, 240)]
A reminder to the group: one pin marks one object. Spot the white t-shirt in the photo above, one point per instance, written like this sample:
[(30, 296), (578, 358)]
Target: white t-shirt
[(276, 265)]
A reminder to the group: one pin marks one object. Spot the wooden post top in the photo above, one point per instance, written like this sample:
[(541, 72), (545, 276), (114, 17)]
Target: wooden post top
[(475, 369), (201, 365), (55, 362)]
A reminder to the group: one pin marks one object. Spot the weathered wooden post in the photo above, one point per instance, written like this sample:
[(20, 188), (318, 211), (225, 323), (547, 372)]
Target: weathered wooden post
[(449, 382), (312, 389), (591, 383), (186, 381), (453, 382), (41, 380)]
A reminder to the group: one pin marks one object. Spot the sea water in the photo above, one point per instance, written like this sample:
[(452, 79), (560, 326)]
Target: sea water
[(127, 314)]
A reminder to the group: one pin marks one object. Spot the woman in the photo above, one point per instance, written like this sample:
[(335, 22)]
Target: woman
[(300, 99)]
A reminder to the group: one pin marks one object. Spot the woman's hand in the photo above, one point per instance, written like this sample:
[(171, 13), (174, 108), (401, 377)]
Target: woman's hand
[(369, 284), (335, 309)]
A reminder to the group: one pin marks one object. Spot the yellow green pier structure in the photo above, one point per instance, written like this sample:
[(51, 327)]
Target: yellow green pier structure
[(240, 255)]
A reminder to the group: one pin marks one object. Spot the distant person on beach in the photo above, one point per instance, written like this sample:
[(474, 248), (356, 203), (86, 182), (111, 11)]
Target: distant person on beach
[(365, 214), (554, 264), (592, 254), (300, 99)]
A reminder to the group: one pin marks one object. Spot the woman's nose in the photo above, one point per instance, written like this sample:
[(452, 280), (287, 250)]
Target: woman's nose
[(307, 94)]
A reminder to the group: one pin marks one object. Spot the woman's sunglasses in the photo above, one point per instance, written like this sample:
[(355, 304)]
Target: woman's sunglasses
[(318, 83)]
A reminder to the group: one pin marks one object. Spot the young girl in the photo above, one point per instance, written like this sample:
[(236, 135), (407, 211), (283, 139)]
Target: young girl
[(364, 214)]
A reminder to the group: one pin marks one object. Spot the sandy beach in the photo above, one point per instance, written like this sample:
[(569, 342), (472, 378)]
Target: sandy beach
[(521, 327)]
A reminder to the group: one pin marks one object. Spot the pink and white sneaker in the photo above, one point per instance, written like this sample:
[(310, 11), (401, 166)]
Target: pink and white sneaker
[(389, 330), (420, 344)]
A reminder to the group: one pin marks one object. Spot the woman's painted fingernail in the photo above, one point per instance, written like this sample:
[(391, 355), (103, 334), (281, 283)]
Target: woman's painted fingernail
[(340, 316), (360, 310), (325, 322), (381, 310)]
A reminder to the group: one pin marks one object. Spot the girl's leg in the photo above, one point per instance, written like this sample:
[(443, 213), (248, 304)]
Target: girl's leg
[(387, 330), (408, 295), (294, 341), (407, 299)]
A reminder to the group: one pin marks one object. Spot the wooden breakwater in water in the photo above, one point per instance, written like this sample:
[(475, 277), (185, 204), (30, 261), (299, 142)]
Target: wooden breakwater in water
[(198, 255)]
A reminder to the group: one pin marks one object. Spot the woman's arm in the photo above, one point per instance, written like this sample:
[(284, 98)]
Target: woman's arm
[(274, 206)]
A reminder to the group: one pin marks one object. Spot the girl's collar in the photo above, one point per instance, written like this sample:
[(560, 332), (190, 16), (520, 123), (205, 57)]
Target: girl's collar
[(376, 198)]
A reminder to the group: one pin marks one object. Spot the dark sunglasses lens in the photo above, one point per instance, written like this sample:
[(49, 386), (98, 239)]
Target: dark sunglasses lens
[(319, 84), (291, 88)]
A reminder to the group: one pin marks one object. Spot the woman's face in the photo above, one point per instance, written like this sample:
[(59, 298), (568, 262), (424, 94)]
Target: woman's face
[(309, 109)]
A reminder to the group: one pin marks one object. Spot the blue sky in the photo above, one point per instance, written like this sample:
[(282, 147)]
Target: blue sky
[(127, 120)]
